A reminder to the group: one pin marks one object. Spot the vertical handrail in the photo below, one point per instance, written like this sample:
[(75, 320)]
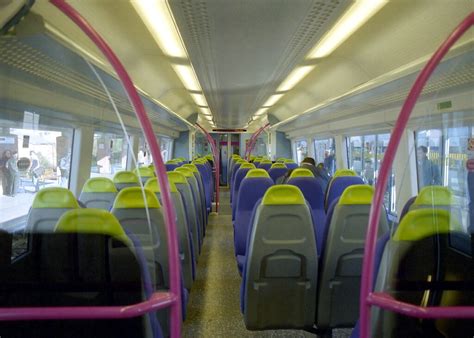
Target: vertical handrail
[(216, 156), (367, 297), (169, 213), (253, 141)]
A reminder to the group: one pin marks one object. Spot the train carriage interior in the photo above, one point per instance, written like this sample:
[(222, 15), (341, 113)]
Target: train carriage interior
[(245, 168)]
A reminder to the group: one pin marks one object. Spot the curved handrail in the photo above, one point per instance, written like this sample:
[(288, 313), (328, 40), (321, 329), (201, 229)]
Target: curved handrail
[(215, 155), (169, 213), (253, 140), (367, 297)]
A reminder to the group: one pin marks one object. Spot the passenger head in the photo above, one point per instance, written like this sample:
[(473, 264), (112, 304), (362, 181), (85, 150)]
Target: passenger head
[(309, 160), (7, 154), (422, 151), (14, 154)]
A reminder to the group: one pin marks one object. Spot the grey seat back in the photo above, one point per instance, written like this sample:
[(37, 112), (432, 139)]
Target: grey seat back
[(280, 276), (98, 193), (144, 218), (184, 236), (188, 202), (341, 261), (48, 206)]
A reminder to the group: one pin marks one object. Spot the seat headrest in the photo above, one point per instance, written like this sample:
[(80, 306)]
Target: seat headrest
[(181, 159), (152, 184), (177, 177), (278, 165), (288, 160), (236, 156), (144, 172), (133, 198), (55, 198), (253, 173), (125, 177), (152, 167), (283, 194), (301, 172), (201, 162), (240, 161), (420, 223), (434, 195), (91, 221), (280, 159), (265, 162), (185, 171), (99, 184), (191, 167), (344, 172), (209, 157), (357, 194), (174, 161), (247, 166)]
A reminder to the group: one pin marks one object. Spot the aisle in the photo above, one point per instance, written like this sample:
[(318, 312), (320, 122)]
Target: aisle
[(214, 307)]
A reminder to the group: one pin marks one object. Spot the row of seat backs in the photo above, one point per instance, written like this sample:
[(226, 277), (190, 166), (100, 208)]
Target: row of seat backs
[(205, 170), (95, 264), (175, 163)]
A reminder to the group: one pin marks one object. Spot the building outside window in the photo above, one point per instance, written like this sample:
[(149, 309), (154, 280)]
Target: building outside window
[(109, 154), (325, 152)]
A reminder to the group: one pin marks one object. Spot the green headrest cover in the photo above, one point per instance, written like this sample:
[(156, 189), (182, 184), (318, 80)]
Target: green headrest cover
[(301, 172), (99, 184), (200, 161), (177, 177), (434, 195), (132, 198), (252, 157), (125, 177), (266, 161), (91, 221), (247, 166), (152, 184), (283, 194), (172, 162), (278, 165), (236, 156), (357, 194), (281, 159), (420, 223), (288, 160), (55, 198), (191, 167), (257, 173), (152, 167), (144, 172), (181, 159), (241, 161), (344, 172), (186, 172)]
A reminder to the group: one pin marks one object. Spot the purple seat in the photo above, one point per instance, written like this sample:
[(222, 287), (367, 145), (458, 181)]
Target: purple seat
[(251, 190), (276, 173), (171, 166), (207, 182), (239, 176), (266, 165), (234, 170), (291, 165), (337, 187)]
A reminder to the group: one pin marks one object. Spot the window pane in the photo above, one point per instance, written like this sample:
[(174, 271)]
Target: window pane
[(325, 151), (31, 159), (301, 150), (144, 156), (166, 145), (355, 151), (260, 148), (109, 154)]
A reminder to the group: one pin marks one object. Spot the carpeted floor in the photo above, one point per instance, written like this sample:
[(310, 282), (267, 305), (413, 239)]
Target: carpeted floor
[(214, 306)]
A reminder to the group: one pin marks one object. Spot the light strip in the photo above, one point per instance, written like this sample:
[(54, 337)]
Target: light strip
[(261, 111), (159, 21), (205, 111), (355, 17), (295, 76), (199, 99), (187, 76), (272, 100)]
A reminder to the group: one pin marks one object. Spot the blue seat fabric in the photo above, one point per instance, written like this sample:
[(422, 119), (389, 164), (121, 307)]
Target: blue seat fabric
[(239, 176), (276, 173), (338, 185)]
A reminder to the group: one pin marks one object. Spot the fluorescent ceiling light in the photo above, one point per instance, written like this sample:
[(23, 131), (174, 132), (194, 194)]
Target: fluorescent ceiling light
[(199, 99), (187, 76), (272, 100), (295, 76), (209, 118), (159, 21), (205, 111), (261, 111), (355, 17)]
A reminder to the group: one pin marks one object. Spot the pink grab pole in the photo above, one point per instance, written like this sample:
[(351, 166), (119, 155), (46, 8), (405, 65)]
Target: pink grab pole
[(216, 156), (253, 141), (367, 297), (174, 262)]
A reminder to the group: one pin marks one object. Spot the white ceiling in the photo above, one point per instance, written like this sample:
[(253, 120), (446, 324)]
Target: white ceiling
[(243, 49)]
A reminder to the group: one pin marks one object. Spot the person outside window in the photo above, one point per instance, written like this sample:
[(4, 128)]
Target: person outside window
[(428, 172), (6, 179), (12, 166), (369, 172)]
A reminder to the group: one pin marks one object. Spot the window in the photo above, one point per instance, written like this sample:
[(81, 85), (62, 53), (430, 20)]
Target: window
[(442, 156), (166, 145), (31, 159), (144, 157), (301, 150), (260, 148), (325, 152), (365, 154), (109, 154)]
